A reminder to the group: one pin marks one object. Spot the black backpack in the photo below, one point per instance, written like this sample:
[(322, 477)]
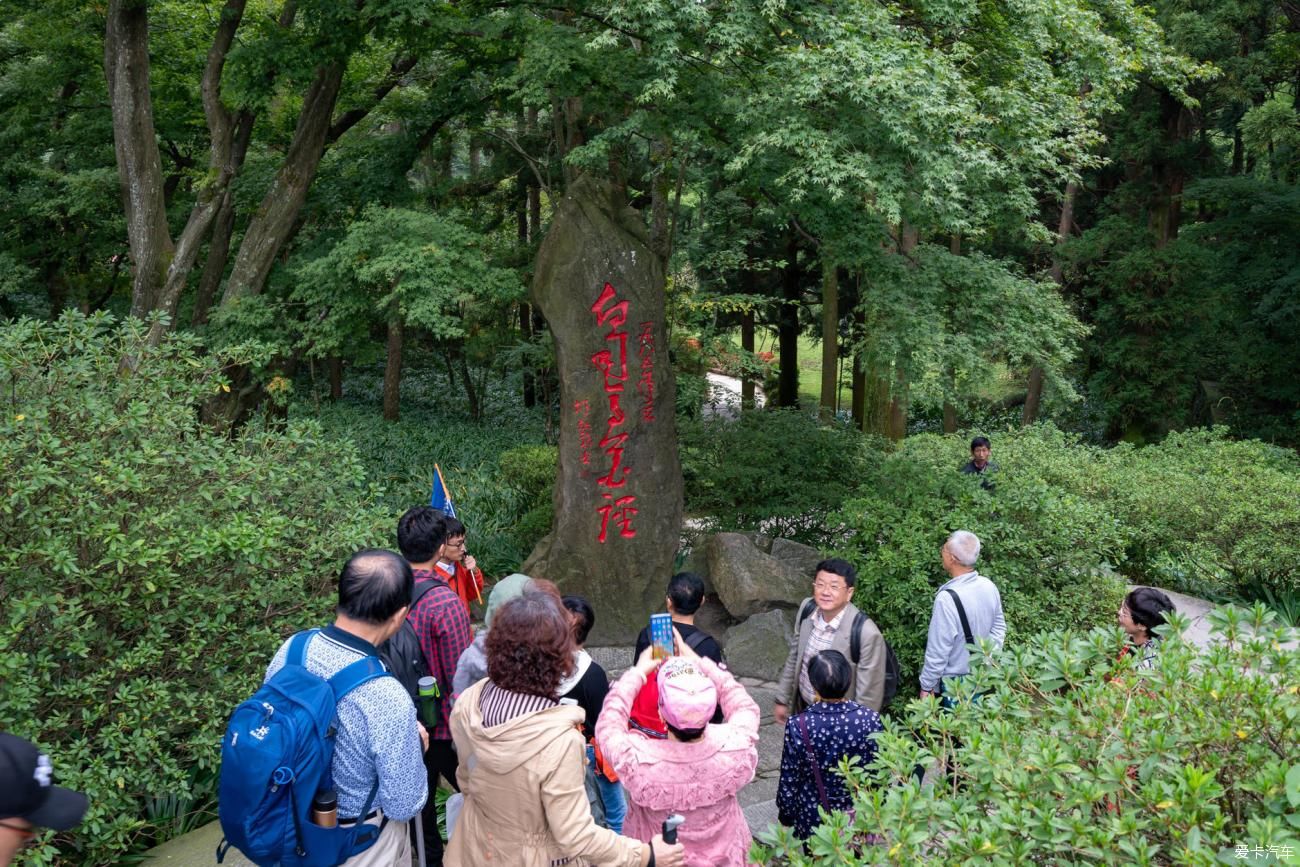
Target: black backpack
[(893, 674), (402, 655)]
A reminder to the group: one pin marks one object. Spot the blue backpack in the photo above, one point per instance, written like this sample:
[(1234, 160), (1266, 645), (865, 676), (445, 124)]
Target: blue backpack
[(276, 755)]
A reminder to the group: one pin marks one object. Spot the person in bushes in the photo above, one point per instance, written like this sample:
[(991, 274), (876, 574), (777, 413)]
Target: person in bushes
[(458, 567), (1142, 610), (831, 729), (698, 768), (521, 753), (968, 599), (441, 624), (979, 463), (29, 800)]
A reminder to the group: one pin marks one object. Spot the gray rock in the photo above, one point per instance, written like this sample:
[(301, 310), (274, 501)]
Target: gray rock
[(749, 580), (758, 647), (799, 558), (630, 489)]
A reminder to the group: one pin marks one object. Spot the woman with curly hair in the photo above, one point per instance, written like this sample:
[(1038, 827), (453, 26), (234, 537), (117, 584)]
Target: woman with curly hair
[(522, 752)]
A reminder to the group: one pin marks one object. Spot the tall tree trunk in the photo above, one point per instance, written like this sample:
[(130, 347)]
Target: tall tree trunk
[(335, 364), (1034, 390), (393, 367), (830, 338), (223, 225), (139, 165), (530, 376), (275, 217), (788, 328), (896, 423), (747, 344)]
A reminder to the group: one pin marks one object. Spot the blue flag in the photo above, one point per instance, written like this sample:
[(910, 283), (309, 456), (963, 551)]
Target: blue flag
[(440, 497)]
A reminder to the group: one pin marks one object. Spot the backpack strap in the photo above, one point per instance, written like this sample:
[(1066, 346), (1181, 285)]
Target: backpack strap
[(363, 670), (420, 589), (697, 638), (804, 613), (961, 612), (812, 762), (855, 638), (297, 654)]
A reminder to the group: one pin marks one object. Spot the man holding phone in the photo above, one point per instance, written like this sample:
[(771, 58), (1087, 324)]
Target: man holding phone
[(684, 597)]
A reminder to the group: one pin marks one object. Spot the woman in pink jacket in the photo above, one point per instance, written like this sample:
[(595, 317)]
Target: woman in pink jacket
[(698, 769)]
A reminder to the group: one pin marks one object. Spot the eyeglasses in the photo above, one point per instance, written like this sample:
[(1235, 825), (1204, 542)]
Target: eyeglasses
[(28, 832), (460, 544), (821, 586)]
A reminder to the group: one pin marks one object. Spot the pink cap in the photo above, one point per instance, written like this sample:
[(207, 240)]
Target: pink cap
[(686, 697)]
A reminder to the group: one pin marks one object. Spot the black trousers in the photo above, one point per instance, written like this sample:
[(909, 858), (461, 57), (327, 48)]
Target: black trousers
[(439, 761)]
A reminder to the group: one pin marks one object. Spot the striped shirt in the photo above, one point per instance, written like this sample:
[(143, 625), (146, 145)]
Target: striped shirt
[(500, 706), (820, 638)]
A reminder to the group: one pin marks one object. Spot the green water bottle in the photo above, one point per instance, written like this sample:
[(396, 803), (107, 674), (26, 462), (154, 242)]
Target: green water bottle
[(430, 706)]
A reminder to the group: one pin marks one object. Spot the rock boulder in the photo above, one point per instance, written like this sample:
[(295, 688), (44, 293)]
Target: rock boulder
[(750, 581), (758, 647)]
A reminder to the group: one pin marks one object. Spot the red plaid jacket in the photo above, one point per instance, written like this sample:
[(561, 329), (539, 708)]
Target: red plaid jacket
[(441, 623)]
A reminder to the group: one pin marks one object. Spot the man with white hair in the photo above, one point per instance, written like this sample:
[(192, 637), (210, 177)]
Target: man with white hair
[(966, 608)]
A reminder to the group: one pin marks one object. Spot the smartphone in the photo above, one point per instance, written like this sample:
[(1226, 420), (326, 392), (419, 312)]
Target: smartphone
[(661, 635)]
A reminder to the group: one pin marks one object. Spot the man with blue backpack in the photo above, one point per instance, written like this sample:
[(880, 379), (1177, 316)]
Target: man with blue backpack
[(322, 766)]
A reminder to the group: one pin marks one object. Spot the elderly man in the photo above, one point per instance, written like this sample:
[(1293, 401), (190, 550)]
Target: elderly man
[(828, 621), (966, 608), (379, 747)]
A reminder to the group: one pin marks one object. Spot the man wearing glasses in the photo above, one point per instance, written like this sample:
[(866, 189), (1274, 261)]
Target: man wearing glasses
[(827, 621), (29, 800)]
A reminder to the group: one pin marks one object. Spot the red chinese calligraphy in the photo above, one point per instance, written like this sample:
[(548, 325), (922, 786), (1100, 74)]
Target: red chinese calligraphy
[(611, 361), (621, 512), (646, 384), (582, 409)]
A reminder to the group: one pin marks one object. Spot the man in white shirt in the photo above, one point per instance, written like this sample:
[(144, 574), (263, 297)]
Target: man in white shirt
[(966, 592)]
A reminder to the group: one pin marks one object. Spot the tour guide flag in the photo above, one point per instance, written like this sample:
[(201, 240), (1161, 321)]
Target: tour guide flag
[(440, 497)]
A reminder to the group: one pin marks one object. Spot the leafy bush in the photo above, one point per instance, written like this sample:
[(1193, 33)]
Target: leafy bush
[(776, 470), (150, 567), (530, 470), (1213, 515), (1074, 757), (400, 456), (1043, 545)]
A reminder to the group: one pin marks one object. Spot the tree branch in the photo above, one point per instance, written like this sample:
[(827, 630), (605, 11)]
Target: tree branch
[(353, 116)]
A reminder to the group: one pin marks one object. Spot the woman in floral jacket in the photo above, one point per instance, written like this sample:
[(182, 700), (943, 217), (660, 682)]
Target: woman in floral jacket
[(831, 729)]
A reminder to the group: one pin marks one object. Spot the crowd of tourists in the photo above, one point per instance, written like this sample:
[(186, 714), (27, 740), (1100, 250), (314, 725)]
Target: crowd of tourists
[(548, 762)]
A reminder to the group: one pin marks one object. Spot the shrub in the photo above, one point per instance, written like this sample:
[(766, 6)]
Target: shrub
[(400, 456), (1210, 514), (150, 567), (530, 471), (1074, 757), (776, 470), (1043, 545)]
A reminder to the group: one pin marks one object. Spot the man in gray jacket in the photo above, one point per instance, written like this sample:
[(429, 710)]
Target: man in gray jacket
[(946, 655), (826, 622)]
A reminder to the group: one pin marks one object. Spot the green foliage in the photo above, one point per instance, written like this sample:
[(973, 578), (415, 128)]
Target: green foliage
[(1045, 545), (150, 567), (794, 474), (530, 471), (498, 508), (1202, 511), (1075, 757)]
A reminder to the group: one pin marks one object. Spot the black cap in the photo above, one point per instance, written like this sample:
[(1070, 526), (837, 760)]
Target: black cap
[(27, 789)]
